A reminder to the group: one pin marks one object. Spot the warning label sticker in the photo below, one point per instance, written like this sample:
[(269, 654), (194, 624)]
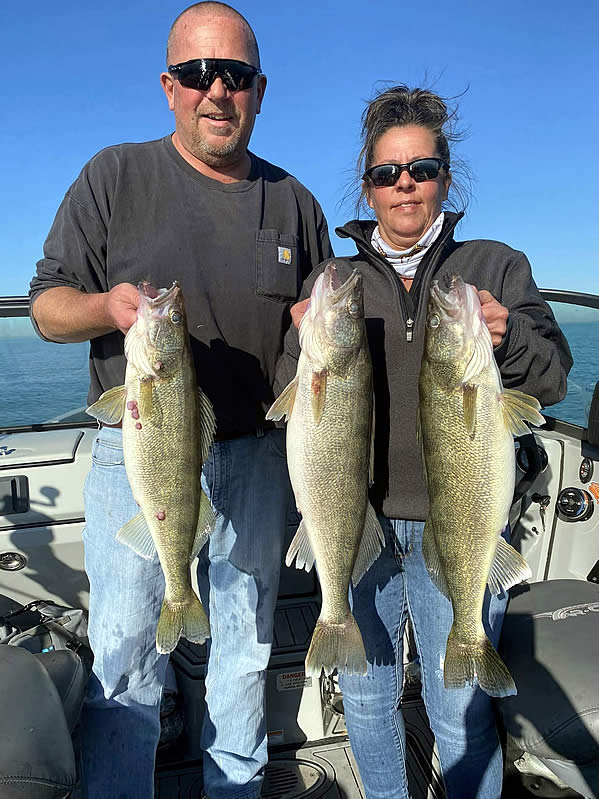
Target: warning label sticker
[(293, 680), (275, 737)]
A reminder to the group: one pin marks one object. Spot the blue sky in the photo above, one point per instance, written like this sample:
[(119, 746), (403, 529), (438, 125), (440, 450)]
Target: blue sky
[(82, 75)]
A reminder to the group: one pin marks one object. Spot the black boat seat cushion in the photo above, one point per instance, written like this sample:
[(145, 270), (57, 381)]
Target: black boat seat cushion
[(70, 678), (550, 644), (36, 755)]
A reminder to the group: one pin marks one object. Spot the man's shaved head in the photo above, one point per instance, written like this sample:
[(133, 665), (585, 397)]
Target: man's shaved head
[(209, 9)]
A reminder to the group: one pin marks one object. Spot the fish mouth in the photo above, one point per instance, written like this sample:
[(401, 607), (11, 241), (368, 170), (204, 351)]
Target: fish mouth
[(451, 302), (329, 286), (327, 300), (157, 298), (154, 306), (328, 291)]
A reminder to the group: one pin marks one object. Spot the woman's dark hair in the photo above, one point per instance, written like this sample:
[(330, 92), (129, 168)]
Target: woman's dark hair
[(400, 106)]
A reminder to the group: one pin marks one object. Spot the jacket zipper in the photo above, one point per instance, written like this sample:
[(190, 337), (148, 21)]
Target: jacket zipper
[(401, 292)]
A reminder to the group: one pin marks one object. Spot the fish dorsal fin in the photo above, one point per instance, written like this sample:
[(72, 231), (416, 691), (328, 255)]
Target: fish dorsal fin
[(482, 354), (109, 408), (205, 526), (207, 425), (431, 558), (318, 393), (518, 407), (283, 405), (145, 399), (300, 549), (469, 394), (137, 536), (371, 545), (508, 568)]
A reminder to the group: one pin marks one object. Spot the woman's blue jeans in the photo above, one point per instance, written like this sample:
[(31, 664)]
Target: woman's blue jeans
[(463, 721), (247, 481)]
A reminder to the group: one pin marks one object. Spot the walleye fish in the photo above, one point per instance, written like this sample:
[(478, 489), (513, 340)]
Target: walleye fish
[(168, 429), (467, 423), (329, 408)]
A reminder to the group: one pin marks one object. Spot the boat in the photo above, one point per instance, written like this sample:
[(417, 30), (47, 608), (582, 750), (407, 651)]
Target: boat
[(555, 525)]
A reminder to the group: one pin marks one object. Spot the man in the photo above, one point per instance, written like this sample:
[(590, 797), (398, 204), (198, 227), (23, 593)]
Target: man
[(240, 235)]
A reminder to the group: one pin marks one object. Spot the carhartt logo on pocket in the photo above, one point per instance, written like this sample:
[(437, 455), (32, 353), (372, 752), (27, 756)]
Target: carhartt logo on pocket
[(284, 255)]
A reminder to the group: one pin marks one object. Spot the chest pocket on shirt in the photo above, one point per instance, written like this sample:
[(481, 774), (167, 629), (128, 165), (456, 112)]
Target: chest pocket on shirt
[(277, 266)]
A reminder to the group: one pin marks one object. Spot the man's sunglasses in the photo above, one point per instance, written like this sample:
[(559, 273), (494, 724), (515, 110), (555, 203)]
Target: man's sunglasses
[(420, 170), (200, 73)]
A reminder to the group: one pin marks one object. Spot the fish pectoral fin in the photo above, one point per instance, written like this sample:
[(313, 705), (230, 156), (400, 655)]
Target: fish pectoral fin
[(469, 394), (110, 407), (137, 536), (518, 408), (300, 549), (431, 558), (283, 405), (482, 355), (318, 392), (205, 526), (508, 568), (145, 404), (207, 425), (371, 545)]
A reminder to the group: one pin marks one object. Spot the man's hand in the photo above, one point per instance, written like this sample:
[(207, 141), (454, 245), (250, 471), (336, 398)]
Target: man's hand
[(121, 306), (68, 315), (298, 310), (495, 315)]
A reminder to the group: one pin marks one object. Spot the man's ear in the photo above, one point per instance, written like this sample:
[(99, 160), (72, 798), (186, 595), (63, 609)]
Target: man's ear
[(261, 88), (168, 86)]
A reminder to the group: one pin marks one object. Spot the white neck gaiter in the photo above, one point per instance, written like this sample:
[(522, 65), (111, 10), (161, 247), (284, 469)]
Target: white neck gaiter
[(405, 262)]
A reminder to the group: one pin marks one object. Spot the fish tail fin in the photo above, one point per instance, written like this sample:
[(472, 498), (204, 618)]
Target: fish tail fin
[(476, 661), (181, 619), (196, 627), (336, 646)]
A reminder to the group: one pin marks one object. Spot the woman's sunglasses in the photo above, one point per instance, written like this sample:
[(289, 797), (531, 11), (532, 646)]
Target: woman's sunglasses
[(420, 170), (200, 73)]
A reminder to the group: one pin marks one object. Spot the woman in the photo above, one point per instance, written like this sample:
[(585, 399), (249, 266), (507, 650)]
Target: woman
[(405, 163)]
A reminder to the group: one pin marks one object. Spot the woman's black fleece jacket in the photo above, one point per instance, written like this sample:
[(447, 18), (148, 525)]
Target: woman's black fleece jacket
[(534, 355)]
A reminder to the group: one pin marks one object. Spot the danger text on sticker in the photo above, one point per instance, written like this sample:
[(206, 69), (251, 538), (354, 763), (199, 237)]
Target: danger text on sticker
[(292, 680)]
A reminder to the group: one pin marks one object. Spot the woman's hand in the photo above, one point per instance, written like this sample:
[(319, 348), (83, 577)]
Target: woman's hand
[(495, 315), (298, 310)]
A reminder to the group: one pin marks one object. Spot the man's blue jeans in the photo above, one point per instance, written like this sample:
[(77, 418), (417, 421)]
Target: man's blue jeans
[(247, 481), (462, 720)]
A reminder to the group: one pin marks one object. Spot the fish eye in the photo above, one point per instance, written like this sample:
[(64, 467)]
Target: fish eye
[(176, 317), (434, 322), (353, 308)]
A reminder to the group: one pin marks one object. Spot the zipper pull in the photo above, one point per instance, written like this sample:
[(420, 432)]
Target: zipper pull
[(409, 326)]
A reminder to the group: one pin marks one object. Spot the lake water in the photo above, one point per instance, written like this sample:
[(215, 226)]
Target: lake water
[(41, 381), (583, 338)]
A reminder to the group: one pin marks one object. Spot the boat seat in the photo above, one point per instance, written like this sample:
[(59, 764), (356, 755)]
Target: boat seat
[(70, 678), (550, 644), (36, 757)]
